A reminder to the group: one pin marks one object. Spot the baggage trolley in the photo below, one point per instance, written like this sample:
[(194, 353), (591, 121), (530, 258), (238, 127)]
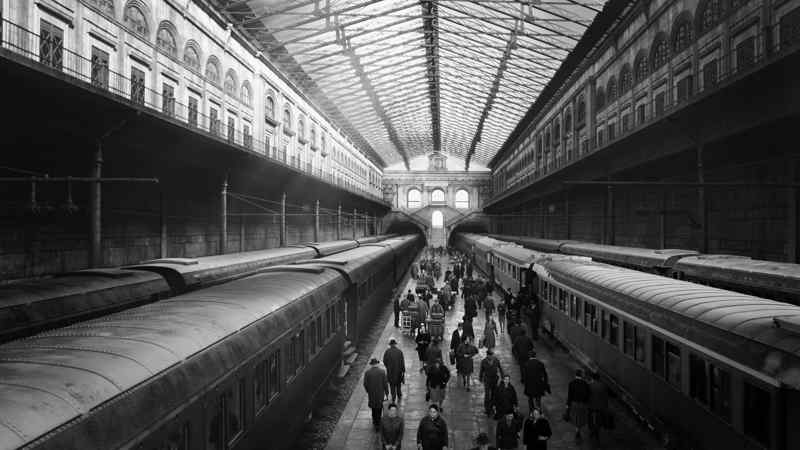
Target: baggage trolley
[(436, 329), (407, 322)]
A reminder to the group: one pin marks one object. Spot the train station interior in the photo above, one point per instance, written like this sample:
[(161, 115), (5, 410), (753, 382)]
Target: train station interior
[(217, 214)]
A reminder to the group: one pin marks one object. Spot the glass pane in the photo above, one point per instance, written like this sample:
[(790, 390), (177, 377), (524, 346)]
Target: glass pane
[(698, 380), (720, 392), (216, 439), (614, 330), (273, 374), (756, 413), (235, 406), (673, 364)]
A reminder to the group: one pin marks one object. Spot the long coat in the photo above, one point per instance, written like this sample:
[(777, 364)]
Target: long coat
[(522, 347), (598, 396), (505, 399), (468, 330), (455, 340), (464, 355), (535, 378), (531, 432), (489, 334), (395, 364), (508, 433), (376, 385), (433, 353), (432, 433)]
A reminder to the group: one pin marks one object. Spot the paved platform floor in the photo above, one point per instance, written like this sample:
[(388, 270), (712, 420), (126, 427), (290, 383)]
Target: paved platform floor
[(463, 410)]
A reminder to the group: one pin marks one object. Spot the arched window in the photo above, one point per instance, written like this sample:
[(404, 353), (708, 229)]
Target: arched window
[(301, 129), (659, 52), (313, 136), (709, 15), (437, 219), (580, 115), (625, 79), (165, 39), (212, 70), (462, 199), (269, 108), (682, 33), (191, 56), (106, 6), (414, 198), (600, 98), (556, 133), (246, 95), (437, 196), (640, 67), (322, 145), (611, 89), (568, 122), (134, 18), (287, 119), (230, 83)]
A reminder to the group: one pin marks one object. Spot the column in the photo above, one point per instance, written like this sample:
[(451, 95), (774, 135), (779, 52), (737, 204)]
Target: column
[(283, 220), (95, 213), (223, 217)]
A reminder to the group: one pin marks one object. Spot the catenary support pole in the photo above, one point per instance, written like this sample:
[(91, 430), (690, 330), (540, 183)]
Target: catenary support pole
[(223, 218), (95, 212), (163, 223), (339, 222), (283, 220)]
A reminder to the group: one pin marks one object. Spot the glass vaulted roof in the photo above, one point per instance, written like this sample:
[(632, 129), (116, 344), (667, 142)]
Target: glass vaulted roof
[(406, 77)]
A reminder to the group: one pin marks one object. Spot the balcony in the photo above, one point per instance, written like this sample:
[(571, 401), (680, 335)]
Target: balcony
[(677, 97), (51, 58)]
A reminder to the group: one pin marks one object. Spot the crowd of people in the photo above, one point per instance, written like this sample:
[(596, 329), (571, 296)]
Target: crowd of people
[(587, 401)]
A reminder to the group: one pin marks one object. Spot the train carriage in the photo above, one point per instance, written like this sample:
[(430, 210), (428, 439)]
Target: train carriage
[(234, 366), (714, 365)]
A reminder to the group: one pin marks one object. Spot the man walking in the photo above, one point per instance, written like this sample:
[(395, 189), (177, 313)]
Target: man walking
[(395, 369), (535, 380), (505, 398), (489, 374), (391, 429), (377, 387)]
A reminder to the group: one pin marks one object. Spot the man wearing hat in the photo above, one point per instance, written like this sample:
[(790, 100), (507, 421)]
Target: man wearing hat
[(395, 369), (377, 387)]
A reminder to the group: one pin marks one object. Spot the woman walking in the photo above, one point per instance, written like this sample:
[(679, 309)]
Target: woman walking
[(423, 340), (466, 351), (489, 334), (501, 314)]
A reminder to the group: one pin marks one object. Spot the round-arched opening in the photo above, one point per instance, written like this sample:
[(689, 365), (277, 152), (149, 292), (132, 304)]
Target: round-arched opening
[(414, 198), (437, 196), (462, 199), (437, 219)]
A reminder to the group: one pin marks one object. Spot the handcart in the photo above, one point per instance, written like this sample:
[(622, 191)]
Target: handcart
[(407, 321)]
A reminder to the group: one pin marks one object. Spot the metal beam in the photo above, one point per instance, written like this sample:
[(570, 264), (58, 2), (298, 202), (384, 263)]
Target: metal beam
[(430, 26)]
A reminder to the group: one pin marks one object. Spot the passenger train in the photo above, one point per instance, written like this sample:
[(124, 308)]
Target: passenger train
[(32, 306), (774, 280), (719, 369), (233, 366)]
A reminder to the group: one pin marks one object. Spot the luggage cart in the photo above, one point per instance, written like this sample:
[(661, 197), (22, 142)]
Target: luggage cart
[(407, 322)]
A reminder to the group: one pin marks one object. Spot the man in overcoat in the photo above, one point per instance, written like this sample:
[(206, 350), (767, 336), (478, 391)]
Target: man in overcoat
[(395, 369), (535, 379), (377, 386)]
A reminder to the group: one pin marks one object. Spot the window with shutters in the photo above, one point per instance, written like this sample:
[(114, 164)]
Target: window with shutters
[(231, 128), (247, 138), (167, 99), (625, 79), (611, 89), (137, 85), (710, 74), (640, 67), (745, 53), (99, 68), (214, 124), (51, 45), (193, 109)]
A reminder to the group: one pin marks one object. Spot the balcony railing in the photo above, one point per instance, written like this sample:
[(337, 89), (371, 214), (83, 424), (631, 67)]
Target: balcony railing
[(677, 95), (50, 53)]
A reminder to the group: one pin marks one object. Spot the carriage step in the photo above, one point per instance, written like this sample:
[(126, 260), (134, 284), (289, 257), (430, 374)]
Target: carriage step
[(348, 360)]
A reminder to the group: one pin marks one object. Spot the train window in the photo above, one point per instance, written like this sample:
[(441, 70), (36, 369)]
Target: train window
[(562, 300), (613, 330), (627, 338), (590, 316), (312, 338), (273, 375), (657, 355), (234, 403), (720, 392), (603, 324), (639, 350), (698, 379), (756, 413), (673, 364), (291, 355), (320, 336), (301, 349), (260, 387)]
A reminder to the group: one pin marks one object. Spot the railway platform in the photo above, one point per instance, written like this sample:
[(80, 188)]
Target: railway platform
[(463, 410)]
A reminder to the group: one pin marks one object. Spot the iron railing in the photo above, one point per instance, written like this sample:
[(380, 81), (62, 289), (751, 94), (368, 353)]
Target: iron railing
[(730, 66), (50, 52)]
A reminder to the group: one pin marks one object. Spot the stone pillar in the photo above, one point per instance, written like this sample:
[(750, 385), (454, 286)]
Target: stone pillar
[(95, 210)]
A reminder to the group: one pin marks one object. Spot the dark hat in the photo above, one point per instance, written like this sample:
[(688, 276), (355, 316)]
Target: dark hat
[(392, 342), (482, 439), (490, 352), (373, 361)]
